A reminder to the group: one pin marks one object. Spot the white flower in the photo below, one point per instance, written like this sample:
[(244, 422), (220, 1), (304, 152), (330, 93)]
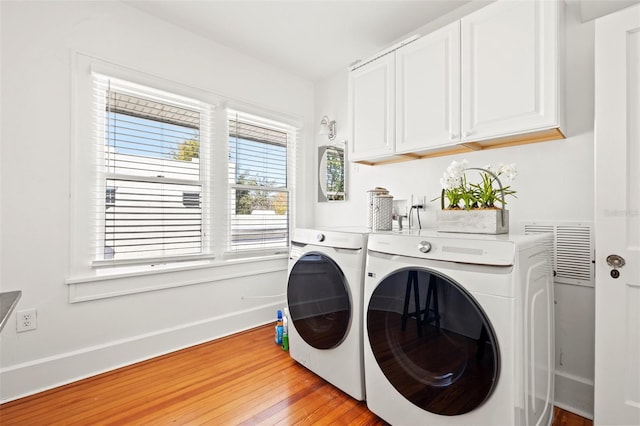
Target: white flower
[(456, 169), (447, 181), (509, 171), (457, 191)]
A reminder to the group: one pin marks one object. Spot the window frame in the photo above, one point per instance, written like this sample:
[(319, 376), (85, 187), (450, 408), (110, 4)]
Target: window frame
[(261, 120), (105, 278), (102, 86)]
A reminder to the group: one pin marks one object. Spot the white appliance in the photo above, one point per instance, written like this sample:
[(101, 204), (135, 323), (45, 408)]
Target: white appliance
[(324, 300), (479, 347)]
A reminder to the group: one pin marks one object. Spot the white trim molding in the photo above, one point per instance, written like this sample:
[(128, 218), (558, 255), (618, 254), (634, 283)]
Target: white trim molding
[(166, 276)]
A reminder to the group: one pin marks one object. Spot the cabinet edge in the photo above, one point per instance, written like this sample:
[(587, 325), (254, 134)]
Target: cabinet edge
[(538, 136)]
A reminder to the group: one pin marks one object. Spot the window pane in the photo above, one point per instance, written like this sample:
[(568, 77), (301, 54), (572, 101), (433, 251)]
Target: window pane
[(149, 219), (258, 183), (153, 185), (148, 138), (258, 163), (259, 219)]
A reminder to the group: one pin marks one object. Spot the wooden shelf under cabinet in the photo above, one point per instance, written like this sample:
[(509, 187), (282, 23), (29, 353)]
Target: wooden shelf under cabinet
[(502, 142)]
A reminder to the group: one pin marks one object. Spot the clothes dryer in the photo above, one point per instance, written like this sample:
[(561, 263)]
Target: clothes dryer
[(459, 329), (324, 300)]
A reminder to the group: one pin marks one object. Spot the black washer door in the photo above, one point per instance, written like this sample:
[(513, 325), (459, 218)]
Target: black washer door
[(445, 359), (319, 302)]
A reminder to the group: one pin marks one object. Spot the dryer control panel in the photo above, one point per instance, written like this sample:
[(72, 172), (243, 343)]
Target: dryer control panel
[(424, 246), (329, 238)]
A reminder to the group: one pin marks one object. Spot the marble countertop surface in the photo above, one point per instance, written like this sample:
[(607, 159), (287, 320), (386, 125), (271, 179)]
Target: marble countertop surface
[(8, 301)]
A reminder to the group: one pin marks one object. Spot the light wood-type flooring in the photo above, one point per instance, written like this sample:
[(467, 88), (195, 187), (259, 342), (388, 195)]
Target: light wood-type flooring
[(244, 379)]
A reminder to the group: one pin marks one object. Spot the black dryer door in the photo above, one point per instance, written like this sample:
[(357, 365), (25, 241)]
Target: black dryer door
[(319, 301)]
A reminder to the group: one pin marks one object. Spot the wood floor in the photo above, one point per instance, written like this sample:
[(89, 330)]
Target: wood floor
[(243, 379)]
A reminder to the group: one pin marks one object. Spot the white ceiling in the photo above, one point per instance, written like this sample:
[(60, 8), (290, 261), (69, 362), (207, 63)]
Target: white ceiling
[(309, 38)]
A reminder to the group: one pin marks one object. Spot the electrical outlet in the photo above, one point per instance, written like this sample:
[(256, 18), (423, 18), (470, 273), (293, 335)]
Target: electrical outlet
[(26, 320)]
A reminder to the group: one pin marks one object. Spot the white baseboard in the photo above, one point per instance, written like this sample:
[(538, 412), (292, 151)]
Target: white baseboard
[(575, 394), (42, 374)]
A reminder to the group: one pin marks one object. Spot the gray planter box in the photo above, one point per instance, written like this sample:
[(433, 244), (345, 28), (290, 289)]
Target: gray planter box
[(478, 221)]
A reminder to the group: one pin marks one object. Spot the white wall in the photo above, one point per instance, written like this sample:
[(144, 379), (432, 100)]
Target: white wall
[(77, 340), (81, 339), (555, 184)]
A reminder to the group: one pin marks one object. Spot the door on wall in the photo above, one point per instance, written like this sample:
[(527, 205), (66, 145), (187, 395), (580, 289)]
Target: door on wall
[(617, 224)]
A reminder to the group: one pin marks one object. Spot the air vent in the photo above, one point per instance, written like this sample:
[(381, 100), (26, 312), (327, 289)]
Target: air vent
[(573, 251)]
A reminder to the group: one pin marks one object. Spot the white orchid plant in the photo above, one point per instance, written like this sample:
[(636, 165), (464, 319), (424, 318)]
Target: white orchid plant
[(461, 194)]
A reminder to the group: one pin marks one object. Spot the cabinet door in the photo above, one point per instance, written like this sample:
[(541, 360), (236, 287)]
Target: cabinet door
[(509, 69), (372, 109), (428, 91)]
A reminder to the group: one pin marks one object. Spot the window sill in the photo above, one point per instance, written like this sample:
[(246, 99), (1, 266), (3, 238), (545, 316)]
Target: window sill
[(108, 266), (113, 282)]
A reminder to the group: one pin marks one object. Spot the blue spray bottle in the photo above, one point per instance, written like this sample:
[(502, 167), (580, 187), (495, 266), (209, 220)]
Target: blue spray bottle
[(279, 328)]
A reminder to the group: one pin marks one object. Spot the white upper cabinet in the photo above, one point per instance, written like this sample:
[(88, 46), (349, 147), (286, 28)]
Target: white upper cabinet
[(428, 91), (372, 109), (491, 79), (509, 69)]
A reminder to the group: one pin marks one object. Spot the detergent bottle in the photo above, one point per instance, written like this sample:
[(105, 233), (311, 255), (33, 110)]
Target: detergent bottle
[(279, 328)]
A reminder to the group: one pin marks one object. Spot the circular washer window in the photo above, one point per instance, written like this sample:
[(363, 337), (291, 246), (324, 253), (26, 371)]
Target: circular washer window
[(319, 301), (443, 356)]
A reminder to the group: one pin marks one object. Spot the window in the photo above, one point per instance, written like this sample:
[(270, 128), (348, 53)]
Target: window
[(151, 174), (151, 201), (158, 179), (259, 182)]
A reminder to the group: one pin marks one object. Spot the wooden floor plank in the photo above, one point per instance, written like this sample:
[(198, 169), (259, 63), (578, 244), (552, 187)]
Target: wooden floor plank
[(243, 379)]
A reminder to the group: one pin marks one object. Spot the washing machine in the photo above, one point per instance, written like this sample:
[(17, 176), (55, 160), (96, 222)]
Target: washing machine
[(459, 329), (324, 301)]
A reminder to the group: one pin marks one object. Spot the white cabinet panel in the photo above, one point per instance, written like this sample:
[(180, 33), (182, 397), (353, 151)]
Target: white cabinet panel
[(372, 108), (491, 79), (428, 91), (509, 69)]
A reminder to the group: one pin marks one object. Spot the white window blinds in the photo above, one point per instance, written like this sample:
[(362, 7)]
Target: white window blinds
[(260, 190), (151, 198)]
